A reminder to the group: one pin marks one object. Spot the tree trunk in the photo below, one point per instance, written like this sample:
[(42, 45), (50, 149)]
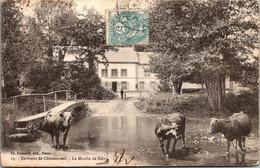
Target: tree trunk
[(223, 85), (177, 87), (91, 64), (3, 84), (207, 81), (215, 87)]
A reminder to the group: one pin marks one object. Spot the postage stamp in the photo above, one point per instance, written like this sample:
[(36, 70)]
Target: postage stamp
[(128, 27)]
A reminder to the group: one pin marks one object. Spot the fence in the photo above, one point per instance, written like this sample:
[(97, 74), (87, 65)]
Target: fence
[(44, 95)]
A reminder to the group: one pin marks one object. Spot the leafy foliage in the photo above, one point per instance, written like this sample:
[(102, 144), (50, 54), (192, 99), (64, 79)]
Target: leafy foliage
[(197, 105), (89, 31), (44, 78), (207, 39), (7, 120), (38, 34), (12, 57), (187, 104)]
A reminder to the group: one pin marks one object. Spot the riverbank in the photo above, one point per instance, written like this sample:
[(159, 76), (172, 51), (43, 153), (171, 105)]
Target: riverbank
[(197, 105)]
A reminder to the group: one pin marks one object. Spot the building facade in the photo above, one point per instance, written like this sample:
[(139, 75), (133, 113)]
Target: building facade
[(127, 70)]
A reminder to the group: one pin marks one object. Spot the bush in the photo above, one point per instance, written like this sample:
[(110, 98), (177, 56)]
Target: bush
[(196, 105), (11, 87), (246, 102), (192, 105), (100, 93), (8, 118), (28, 106)]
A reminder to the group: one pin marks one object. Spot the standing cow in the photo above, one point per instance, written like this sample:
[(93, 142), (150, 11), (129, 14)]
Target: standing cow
[(56, 123), (236, 127), (169, 128), (245, 124)]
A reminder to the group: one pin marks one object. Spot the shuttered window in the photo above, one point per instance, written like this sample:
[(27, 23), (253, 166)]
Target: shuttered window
[(114, 73), (123, 72), (141, 85), (124, 85), (104, 73), (147, 73)]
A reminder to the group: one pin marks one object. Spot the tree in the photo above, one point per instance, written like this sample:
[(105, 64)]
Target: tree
[(12, 58), (54, 28), (44, 78), (172, 43), (214, 38), (173, 70), (227, 44), (46, 28), (89, 32), (80, 79)]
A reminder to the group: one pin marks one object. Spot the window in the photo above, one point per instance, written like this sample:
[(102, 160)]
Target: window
[(124, 85), (146, 73), (114, 73), (123, 72), (153, 85), (104, 73), (141, 85)]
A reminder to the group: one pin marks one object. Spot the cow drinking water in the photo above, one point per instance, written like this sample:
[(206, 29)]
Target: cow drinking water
[(172, 127), (236, 127), (56, 123)]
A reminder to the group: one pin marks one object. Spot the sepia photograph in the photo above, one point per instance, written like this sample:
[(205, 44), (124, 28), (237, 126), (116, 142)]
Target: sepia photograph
[(129, 83)]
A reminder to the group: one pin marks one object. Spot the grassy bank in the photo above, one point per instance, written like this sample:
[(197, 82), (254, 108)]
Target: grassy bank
[(197, 105), (8, 117)]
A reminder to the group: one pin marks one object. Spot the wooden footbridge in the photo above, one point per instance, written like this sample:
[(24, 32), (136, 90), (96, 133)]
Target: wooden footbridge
[(25, 127)]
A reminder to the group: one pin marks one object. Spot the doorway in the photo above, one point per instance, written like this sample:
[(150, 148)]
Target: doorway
[(114, 86)]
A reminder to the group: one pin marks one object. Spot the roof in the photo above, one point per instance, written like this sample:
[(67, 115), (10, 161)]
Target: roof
[(123, 55), (126, 55), (144, 57)]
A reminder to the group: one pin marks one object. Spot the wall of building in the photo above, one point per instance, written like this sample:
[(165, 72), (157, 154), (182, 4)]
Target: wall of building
[(149, 80), (130, 79), (136, 79)]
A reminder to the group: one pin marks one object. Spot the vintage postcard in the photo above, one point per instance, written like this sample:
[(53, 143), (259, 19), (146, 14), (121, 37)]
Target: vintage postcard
[(129, 83)]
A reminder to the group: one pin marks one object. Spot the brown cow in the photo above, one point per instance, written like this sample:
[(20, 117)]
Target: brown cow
[(245, 123), (236, 127), (56, 123), (172, 127)]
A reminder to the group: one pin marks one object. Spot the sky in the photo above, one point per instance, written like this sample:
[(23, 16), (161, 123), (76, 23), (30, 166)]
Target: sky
[(99, 5)]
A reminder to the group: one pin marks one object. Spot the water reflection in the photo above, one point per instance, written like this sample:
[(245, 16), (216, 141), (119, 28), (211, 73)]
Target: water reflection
[(136, 135)]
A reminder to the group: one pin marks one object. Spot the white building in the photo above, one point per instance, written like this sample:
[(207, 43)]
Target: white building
[(127, 70)]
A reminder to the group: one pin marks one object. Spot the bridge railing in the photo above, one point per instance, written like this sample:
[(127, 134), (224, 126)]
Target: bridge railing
[(44, 95)]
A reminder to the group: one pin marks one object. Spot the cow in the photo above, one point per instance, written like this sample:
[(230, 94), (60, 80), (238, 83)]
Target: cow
[(172, 127), (236, 127), (245, 123), (56, 123)]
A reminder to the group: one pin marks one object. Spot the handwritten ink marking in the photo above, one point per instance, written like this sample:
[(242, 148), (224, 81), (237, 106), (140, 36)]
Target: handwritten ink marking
[(119, 156)]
